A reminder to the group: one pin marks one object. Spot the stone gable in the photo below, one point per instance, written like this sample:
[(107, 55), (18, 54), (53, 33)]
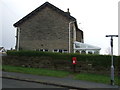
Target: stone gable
[(46, 29)]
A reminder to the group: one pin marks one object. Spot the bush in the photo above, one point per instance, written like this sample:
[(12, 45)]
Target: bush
[(59, 60), (102, 60)]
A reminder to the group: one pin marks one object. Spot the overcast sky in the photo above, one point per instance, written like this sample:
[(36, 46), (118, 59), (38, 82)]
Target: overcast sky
[(96, 18)]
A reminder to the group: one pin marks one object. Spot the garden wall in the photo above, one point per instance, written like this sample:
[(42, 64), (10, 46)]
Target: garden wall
[(85, 63)]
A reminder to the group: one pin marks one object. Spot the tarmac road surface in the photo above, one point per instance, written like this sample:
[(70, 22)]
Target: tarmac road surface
[(10, 83), (68, 83)]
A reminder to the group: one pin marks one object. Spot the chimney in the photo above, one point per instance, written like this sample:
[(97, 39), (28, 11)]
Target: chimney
[(68, 11)]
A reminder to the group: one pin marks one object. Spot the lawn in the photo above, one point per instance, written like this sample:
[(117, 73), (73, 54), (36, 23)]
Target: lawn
[(57, 73), (35, 71), (96, 78)]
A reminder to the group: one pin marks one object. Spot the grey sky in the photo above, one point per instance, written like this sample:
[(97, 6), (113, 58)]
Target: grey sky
[(96, 17)]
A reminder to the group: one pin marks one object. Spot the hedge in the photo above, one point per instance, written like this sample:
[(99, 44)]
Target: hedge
[(95, 60)]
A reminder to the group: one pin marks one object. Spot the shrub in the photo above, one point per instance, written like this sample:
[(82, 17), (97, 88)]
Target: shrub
[(64, 59)]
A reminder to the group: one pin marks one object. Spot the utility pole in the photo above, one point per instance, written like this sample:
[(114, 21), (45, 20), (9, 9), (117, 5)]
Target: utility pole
[(112, 65)]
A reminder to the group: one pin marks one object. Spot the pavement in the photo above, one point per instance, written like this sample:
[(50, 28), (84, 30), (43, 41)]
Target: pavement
[(63, 82)]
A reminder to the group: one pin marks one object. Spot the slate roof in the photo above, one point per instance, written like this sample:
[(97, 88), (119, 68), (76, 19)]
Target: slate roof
[(46, 4)]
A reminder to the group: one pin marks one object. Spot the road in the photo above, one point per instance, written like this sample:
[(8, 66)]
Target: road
[(10, 83)]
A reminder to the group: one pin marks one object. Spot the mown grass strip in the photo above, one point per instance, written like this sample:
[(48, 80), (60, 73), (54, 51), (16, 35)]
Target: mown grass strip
[(56, 73), (35, 71), (96, 78)]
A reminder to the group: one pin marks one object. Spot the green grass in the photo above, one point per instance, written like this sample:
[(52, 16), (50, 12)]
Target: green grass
[(56, 73), (96, 78), (35, 71)]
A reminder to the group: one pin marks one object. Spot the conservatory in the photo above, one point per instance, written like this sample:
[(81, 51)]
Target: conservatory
[(83, 48)]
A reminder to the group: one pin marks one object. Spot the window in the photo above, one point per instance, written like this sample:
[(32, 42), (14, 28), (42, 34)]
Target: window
[(77, 51), (65, 51), (46, 50), (55, 50), (41, 50), (90, 52), (77, 46), (83, 52), (60, 50)]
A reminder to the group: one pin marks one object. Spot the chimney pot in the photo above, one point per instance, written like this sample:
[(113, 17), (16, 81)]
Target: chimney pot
[(68, 11)]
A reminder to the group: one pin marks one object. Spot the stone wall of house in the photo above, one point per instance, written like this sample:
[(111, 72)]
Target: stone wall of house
[(45, 30), (79, 36)]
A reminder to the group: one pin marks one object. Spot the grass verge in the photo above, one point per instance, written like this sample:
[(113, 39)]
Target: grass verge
[(56, 73), (97, 78), (35, 71)]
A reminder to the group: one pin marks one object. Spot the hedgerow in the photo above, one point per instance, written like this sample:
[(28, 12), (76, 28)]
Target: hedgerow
[(95, 60)]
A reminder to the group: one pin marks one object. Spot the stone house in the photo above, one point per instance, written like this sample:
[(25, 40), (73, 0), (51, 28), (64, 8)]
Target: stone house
[(48, 28)]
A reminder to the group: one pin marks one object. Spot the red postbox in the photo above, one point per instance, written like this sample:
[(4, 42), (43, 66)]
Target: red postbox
[(74, 60)]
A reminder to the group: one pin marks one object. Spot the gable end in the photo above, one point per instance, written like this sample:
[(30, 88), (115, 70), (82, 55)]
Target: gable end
[(46, 4)]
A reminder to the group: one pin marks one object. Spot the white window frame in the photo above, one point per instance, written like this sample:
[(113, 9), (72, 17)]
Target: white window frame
[(58, 50)]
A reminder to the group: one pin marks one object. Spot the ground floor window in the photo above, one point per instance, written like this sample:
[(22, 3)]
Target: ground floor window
[(42, 50), (83, 52), (90, 52), (46, 50), (55, 50), (77, 51), (87, 51), (65, 51), (60, 50)]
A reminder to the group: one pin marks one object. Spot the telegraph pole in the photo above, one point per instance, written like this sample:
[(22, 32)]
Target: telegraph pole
[(112, 66)]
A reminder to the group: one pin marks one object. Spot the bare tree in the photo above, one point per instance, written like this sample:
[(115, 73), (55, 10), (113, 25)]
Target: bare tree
[(108, 51)]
